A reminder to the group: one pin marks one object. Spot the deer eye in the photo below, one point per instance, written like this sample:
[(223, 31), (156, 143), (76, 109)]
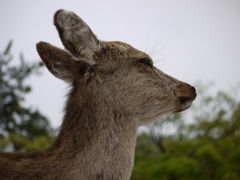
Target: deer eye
[(146, 62)]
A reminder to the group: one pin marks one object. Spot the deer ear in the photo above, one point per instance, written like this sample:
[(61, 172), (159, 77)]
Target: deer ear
[(76, 36), (59, 62)]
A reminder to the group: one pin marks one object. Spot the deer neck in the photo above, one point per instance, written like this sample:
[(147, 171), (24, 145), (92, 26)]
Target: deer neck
[(99, 139)]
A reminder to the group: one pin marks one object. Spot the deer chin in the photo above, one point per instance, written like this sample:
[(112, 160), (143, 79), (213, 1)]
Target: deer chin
[(155, 115), (182, 104)]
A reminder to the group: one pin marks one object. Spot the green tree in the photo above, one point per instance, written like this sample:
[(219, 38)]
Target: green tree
[(21, 128)]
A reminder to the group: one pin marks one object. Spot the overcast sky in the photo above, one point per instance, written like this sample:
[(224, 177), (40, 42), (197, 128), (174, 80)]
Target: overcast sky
[(191, 40)]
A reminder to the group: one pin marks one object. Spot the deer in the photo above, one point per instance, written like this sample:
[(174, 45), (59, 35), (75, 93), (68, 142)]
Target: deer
[(115, 88)]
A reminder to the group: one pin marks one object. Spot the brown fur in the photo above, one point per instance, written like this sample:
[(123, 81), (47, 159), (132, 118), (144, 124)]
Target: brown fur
[(114, 91)]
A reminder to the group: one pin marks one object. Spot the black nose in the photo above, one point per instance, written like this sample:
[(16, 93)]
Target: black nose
[(193, 88)]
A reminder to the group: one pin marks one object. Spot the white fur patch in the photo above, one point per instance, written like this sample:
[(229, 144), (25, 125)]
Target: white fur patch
[(122, 47)]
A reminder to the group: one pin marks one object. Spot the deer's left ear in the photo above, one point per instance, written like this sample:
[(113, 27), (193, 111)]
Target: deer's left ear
[(59, 62), (76, 36)]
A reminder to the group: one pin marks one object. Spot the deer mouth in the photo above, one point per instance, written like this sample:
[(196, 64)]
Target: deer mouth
[(184, 103)]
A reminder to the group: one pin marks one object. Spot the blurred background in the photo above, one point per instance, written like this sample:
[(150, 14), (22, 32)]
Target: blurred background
[(194, 41)]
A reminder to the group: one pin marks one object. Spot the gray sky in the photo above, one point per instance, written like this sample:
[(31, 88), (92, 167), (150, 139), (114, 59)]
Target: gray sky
[(191, 40)]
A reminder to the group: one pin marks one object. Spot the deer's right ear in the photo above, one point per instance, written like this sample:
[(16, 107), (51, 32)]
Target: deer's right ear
[(76, 36), (59, 62)]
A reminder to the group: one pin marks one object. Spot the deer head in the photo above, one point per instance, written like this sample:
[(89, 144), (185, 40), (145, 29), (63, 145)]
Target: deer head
[(115, 72)]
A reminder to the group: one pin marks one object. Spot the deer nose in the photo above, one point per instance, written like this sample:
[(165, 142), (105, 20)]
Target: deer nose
[(193, 88), (186, 99), (194, 93)]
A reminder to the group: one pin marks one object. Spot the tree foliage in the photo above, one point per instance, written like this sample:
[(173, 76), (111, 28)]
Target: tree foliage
[(207, 148), (21, 128)]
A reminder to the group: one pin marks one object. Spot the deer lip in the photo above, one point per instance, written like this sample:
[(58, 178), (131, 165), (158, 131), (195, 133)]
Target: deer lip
[(185, 100), (184, 103)]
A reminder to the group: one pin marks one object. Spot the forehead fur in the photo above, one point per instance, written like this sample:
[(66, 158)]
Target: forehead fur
[(125, 49)]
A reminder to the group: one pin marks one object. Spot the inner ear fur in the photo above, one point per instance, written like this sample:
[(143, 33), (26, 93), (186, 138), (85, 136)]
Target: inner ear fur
[(76, 36)]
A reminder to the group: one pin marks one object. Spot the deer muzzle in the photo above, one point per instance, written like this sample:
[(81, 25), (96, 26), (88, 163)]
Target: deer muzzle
[(185, 100)]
